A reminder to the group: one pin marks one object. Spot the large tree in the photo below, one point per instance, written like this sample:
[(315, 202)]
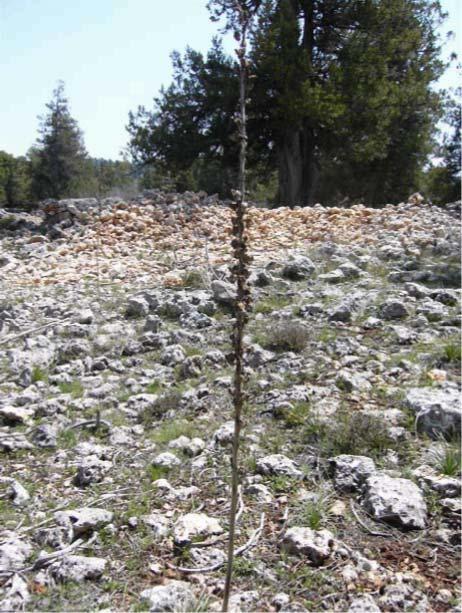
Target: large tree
[(191, 129), (347, 86), (59, 157), (340, 101)]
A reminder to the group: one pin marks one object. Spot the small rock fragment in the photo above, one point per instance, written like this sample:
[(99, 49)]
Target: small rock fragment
[(194, 525), (78, 568), (278, 464), (174, 596), (317, 545)]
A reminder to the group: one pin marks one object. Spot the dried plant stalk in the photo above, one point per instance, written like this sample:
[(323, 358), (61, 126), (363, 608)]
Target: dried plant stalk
[(241, 275)]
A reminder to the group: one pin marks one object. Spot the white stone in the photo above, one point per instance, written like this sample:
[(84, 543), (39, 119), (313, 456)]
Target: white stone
[(438, 411), (166, 460), (13, 551), (260, 492), (224, 434), (193, 525), (350, 471), (364, 604), (174, 596), (159, 523), (78, 568), (16, 595), (84, 519), (11, 416), (447, 487), (278, 464), (396, 501), (316, 545)]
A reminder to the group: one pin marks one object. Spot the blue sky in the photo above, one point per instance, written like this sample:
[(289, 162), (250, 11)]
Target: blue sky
[(112, 54)]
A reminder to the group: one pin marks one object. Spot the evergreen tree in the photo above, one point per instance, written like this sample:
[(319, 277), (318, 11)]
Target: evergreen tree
[(441, 182), (14, 180), (341, 102), (59, 157), (190, 133), (347, 85)]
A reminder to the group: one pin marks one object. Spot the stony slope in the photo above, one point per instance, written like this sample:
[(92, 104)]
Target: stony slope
[(114, 413)]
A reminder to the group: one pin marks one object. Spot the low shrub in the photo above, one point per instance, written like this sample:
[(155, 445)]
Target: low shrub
[(287, 336)]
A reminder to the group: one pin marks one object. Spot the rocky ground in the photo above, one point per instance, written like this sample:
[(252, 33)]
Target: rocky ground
[(115, 409)]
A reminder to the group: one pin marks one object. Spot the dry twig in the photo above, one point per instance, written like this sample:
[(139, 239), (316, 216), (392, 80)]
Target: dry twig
[(238, 552), (363, 525)]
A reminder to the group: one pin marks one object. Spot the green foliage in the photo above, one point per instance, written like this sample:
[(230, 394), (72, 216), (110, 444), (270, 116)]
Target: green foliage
[(441, 183), (313, 513), (270, 304), (340, 105), (75, 388), (157, 472), (287, 336), (280, 484), (452, 352), (14, 180), (102, 178), (7, 222), (294, 416), (350, 432), (449, 461), (190, 130), (243, 567), (169, 401), (39, 374), (59, 159), (154, 387), (170, 430), (195, 278)]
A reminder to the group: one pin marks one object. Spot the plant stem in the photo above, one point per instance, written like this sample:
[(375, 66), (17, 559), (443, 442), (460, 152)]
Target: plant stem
[(241, 305)]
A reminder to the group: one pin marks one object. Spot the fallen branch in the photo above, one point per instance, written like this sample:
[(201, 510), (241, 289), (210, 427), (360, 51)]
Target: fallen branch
[(95, 422), (241, 504), (50, 558), (238, 552), (27, 332), (363, 525)]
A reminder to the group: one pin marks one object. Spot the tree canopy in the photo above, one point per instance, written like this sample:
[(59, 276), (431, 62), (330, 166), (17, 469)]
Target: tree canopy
[(341, 101), (59, 157)]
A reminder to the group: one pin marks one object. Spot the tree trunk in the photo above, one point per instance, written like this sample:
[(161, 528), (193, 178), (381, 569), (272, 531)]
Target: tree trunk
[(297, 165), (297, 168)]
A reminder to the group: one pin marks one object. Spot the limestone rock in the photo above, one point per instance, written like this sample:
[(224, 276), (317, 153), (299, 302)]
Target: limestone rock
[(446, 487), (298, 268), (16, 594), (11, 416), (438, 411), (193, 525), (223, 292), (166, 460), (158, 523), (350, 471), (278, 464), (84, 519), (393, 309), (224, 434), (351, 381), (137, 306), (396, 501), (173, 596), (91, 470), (316, 545), (13, 551), (78, 568), (364, 604)]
